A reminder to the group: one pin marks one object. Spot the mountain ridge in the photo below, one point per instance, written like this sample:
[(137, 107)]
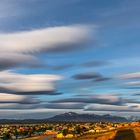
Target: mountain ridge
[(75, 117), (70, 117)]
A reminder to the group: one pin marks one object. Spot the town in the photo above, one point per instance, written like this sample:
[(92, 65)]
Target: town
[(58, 131)]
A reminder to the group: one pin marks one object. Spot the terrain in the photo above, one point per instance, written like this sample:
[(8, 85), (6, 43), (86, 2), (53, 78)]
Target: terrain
[(69, 117), (123, 134)]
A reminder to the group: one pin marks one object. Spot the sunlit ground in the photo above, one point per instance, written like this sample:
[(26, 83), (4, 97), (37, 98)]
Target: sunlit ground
[(124, 134)]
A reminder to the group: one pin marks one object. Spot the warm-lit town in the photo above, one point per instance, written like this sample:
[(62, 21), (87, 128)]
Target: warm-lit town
[(69, 131)]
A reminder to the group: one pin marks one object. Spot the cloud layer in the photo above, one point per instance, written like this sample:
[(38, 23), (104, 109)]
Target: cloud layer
[(95, 99), (135, 75), (95, 77), (17, 48), (61, 38), (12, 60), (10, 98), (117, 108), (95, 63), (16, 83)]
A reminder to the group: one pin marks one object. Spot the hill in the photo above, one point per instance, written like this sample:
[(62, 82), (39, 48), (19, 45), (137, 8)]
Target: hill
[(74, 117)]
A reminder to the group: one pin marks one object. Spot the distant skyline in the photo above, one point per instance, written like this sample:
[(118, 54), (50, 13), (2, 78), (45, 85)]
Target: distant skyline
[(61, 56)]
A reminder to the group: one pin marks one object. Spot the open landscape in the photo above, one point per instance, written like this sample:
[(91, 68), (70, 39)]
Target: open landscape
[(64, 126), (69, 69)]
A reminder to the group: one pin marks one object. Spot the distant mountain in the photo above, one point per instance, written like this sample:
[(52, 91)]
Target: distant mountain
[(134, 118), (69, 117), (74, 117)]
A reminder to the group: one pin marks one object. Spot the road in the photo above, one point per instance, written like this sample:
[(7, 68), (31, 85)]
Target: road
[(40, 138)]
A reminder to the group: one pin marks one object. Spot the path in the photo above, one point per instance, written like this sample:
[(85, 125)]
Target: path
[(40, 138)]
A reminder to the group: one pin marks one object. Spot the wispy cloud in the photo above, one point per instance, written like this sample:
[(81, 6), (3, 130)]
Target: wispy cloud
[(95, 77), (19, 48), (10, 98), (18, 106), (14, 60), (135, 75), (68, 105), (95, 99), (61, 67), (95, 63), (16, 83), (117, 108), (86, 76), (51, 39)]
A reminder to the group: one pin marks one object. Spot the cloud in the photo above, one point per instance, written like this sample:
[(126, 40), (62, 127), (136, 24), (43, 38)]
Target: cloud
[(17, 48), (35, 105), (96, 77), (28, 113), (62, 67), (101, 79), (132, 80), (51, 39), (86, 76), (10, 98), (24, 83), (96, 99), (18, 106), (118, 108), (10, 60), (68, 105), (95, 64), (130, 76), (38, 93), (132, 85), (136, 94)]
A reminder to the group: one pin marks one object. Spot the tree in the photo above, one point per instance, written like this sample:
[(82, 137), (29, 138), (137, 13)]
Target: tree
[(65, 132)]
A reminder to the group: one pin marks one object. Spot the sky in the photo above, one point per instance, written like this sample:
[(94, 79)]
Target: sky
[(61, 56)]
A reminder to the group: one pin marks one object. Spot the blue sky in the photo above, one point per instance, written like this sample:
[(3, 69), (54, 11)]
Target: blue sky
[(78, 55)]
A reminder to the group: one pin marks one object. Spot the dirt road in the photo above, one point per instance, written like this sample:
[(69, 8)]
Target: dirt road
[(40, 138)]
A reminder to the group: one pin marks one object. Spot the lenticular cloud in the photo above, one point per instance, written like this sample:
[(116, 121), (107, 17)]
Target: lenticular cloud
[(47, 39), (15, 82)]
